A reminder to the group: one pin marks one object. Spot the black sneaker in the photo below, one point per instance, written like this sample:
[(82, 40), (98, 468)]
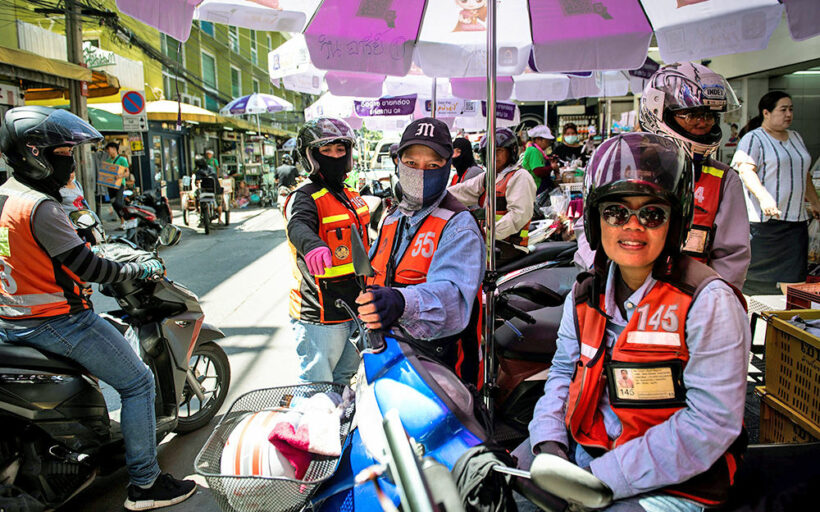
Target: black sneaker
[(165, 492)]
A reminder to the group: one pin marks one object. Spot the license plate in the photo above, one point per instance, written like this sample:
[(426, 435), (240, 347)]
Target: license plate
[(131, 223)]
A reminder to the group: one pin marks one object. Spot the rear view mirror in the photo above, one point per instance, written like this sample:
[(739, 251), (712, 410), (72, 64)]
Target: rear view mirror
[(567, 481), (170, 235), (84, 219), (361, 261)]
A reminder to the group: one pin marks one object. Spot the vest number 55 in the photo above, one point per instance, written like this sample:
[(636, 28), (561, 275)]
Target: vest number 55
[(425, 244)]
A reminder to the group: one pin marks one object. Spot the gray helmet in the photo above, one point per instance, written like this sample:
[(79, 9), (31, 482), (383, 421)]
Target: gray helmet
[(287, 160), (28, 132), (504, 138), (321, 132)]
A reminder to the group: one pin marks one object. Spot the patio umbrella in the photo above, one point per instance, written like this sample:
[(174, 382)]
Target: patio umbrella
[(255, 103)]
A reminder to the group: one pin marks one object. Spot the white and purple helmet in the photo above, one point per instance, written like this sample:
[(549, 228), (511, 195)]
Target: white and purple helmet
[(677, 88)]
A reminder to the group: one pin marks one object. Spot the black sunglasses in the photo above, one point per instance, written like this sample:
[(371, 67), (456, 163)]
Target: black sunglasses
[(650, 216)]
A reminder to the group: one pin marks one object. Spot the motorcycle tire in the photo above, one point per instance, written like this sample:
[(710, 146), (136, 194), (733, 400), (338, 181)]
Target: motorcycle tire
[(214, 358), (205, 214)]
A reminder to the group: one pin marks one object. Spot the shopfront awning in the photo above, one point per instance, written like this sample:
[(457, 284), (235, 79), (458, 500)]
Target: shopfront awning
[(33, 67), (102, 84), (166, 110), (250, 125)]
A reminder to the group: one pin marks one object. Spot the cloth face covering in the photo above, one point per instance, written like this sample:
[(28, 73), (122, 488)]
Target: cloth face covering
[(421, 187), (333, 170), (63, 166)]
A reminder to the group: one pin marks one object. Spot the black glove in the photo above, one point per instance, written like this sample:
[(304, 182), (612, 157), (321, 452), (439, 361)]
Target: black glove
[(389, 304), (553, 448)]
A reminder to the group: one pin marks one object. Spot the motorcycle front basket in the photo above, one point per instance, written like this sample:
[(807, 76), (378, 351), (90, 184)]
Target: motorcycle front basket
[(262, 493)]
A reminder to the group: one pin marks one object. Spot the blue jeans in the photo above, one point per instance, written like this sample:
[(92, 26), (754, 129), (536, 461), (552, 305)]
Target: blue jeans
[(100, 348), (325, 352)]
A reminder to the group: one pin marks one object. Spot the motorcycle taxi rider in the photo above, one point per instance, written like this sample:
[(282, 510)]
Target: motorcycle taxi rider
[(684, 101), (661, 324), (321, 216), (45, 268), (515, 196), (204, 170), (428, 257)]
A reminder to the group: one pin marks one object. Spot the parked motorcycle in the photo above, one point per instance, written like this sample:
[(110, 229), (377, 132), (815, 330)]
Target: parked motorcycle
[(210, 198), (58, 435), (141, 223)]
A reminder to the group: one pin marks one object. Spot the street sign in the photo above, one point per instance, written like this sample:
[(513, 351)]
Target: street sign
[(134, 117), (137, 148)]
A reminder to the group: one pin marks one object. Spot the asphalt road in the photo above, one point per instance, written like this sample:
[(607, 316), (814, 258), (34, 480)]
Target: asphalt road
[(241, 275)]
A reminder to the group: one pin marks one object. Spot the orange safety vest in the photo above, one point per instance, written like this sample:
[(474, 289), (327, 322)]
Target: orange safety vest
[(708, 193), (457, 179), (412, 269), (32, 283), (521, 238), (651, 347), (313, 298)]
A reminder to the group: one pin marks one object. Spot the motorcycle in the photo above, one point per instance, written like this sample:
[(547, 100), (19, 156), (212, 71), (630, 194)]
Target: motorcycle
[(141, 223), (434, 405), (57, 433), (379, 200), (210, 198)]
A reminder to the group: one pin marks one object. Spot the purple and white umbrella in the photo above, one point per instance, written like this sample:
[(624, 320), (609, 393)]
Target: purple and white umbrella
[(255, 103)]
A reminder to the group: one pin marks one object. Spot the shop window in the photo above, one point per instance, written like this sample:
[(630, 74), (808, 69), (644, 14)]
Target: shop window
[(254, 55), (236, 82), (207, 27), (233, 39), (209, 70)]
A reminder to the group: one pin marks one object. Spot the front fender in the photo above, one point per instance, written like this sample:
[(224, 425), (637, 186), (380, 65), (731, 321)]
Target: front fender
[(208, 333)]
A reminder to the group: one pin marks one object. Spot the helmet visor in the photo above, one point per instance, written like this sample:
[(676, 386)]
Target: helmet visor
[(62, 128), (637, 164), (710, 91)]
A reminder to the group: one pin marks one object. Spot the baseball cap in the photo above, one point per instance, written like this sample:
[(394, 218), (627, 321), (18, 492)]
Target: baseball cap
[(541, 130), (429, 132)]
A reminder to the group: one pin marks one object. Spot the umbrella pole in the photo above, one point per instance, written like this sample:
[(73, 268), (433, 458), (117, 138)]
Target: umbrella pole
[(434, 106), (490, 277)]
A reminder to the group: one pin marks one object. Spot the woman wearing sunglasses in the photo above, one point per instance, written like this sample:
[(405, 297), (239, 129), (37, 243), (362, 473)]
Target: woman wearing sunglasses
[(672, 439)]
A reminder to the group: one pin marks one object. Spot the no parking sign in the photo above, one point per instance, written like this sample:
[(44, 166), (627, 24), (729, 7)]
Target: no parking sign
[(134, 117)]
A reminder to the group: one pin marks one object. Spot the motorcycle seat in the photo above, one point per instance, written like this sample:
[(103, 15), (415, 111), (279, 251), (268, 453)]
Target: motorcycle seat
[(20, 356), (546, 251), (537, 342)]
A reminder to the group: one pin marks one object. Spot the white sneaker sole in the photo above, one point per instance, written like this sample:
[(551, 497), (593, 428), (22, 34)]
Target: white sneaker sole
[(154, 504)]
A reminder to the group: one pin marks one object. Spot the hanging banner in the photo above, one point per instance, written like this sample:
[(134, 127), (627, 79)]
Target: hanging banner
[(394, 106), (504, 111)]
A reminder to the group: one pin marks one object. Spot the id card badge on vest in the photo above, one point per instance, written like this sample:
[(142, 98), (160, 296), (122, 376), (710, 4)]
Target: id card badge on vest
[(697, 240), (658, 384)]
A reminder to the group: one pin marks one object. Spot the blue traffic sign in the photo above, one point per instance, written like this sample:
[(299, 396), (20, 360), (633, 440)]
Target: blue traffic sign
[(133, 103)]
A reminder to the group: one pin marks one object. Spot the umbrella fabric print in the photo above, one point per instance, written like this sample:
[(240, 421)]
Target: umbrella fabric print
[(472, 17)]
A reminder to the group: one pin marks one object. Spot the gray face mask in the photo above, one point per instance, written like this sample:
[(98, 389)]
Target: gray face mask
[(420, 188)]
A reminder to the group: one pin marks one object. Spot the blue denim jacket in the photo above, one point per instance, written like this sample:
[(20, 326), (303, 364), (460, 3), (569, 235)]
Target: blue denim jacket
[(692, 439), (441, 306)]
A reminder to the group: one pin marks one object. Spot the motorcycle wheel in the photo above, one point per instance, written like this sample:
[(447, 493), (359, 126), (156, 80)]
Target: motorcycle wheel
[(210, 365), (205, 214)]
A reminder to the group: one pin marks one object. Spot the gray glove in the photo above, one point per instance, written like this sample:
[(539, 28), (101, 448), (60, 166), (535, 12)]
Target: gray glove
[(151, 269), (553, 448)]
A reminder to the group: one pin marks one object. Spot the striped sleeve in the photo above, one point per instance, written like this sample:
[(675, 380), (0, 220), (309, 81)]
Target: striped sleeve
[(91, 268)]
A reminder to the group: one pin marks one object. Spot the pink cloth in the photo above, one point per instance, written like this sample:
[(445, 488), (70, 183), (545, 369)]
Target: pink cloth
[(318, 260), (293, 444)]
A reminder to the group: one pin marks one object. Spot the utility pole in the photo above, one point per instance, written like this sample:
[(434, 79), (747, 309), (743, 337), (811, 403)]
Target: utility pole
[(74, 46)]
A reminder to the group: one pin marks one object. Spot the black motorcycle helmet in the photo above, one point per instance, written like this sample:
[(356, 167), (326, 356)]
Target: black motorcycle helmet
[(29, 133), (640, 164), (287, 160), (504, 138), (320, 132)]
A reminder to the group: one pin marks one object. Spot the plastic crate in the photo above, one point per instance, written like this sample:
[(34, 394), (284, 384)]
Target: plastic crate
[(258, 493), (803, 296), (793, 362), (781, 424)]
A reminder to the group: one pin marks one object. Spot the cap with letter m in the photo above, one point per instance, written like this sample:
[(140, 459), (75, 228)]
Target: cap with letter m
[(429, 132)]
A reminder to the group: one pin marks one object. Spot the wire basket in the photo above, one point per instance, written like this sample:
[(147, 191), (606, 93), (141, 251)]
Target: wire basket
[(261, 493)]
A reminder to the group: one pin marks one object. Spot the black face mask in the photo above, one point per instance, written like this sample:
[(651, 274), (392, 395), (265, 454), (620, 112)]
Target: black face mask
[(332, 170), (63, 167), (461, 163)]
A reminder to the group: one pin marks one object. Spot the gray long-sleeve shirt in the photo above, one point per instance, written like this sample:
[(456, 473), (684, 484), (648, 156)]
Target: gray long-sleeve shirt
[(731, 253)]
